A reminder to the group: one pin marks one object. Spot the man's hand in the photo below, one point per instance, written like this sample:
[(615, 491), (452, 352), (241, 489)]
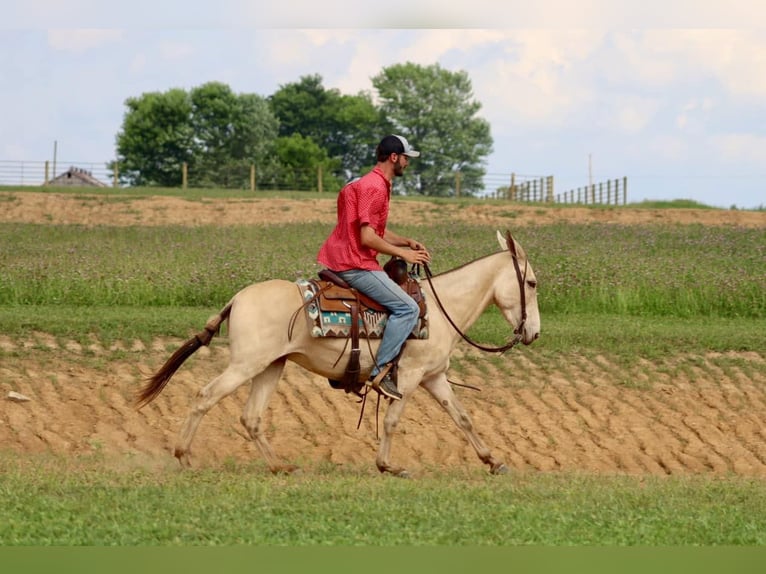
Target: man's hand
[(416, 254), (410, 250)]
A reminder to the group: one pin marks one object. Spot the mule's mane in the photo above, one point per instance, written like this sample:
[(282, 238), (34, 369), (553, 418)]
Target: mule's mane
[(458, 268)]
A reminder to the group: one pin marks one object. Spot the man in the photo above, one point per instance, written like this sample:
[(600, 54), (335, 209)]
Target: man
[(360, 234)]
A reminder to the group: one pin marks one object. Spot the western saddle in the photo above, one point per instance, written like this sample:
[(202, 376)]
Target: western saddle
[(335, 295)]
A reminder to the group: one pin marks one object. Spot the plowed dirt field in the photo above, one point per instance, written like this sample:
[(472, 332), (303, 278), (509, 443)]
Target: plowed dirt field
[(586, 416)]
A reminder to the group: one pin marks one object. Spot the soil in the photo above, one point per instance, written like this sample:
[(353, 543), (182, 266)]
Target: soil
[(587, 415)]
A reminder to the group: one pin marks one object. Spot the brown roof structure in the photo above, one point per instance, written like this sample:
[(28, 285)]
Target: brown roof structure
[(77, 177)]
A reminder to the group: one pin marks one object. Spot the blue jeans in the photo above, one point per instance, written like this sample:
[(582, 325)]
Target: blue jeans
[(404, 311)]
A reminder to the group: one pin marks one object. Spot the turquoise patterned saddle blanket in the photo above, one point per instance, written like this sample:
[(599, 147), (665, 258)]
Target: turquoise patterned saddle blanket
[(327, 308)]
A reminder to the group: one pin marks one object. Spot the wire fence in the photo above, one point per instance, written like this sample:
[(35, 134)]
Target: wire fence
[(507, 186)]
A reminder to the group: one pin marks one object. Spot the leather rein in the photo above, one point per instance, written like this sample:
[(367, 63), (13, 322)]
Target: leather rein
[(521, 279)]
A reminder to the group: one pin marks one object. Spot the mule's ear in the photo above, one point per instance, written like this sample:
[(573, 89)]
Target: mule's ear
[(502, 241)]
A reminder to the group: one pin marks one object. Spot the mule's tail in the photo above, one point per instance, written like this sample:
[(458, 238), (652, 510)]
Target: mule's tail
[(157, 382)]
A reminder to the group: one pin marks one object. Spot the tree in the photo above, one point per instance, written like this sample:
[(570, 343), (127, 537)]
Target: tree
[(301, 160), (434, 109), (156, 139), (232, 132), (217, 133), (346, 126)]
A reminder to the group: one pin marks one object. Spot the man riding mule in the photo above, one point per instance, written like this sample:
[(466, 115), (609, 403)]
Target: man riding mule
[(260, 345), (351, 251)]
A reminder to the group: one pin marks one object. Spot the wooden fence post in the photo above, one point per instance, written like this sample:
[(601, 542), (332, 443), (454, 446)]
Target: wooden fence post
[(319, 178), (115, 175), (184, 175), (512, 189), (252, 177), (46, 172)]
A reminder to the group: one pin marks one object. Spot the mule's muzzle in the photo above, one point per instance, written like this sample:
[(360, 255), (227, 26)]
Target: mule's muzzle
[(529, 340)]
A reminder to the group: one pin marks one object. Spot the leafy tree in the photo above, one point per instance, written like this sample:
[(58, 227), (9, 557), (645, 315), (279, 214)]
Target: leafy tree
[(232, 132), (156, 139), (434, 109), (301, 161), (217, 133), (346, 126)]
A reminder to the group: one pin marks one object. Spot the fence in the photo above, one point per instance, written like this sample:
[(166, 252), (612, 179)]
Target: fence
[(605, 192), (512, 187), (526, 188), (38, 173), (46, 172)]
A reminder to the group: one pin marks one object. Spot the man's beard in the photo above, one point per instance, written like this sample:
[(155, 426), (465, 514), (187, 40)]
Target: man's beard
[(398, 169)]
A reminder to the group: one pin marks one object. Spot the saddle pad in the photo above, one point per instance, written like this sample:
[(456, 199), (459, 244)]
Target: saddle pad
[(337, 323)]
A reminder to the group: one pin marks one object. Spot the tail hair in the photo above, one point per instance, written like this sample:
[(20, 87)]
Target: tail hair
[(156, 383)]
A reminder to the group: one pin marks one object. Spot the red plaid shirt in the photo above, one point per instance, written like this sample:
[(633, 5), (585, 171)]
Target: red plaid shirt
[(361, 202)]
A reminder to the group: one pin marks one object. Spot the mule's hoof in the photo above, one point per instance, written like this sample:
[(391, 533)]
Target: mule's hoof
[(397, 472), (287, 469), (183, 458), (499, 468)]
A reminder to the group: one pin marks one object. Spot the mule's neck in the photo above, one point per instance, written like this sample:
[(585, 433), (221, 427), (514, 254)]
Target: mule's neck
[(467, 291)]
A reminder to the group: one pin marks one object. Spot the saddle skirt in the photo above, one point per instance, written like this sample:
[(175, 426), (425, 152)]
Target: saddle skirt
[(328, 310)]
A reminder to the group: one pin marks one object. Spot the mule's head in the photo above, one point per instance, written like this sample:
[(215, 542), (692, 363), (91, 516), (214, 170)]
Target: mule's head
[(517, 276)]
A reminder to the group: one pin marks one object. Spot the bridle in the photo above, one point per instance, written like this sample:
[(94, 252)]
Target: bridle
[(521, 278)]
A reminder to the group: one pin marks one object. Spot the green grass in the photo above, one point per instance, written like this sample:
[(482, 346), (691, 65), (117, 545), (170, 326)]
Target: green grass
[(605, 269), (624, 292), (620, 336), (49, 505)]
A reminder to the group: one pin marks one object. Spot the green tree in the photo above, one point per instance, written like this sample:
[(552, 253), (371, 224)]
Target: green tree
[(156, 139), (217, 133), (346, 126), (302, 161), (232, 132), (435, 110)]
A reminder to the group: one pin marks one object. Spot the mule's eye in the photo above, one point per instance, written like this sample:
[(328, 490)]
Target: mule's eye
[(532, 284)]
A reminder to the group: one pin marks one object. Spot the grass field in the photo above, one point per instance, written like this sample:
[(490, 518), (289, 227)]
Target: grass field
[(45, 504), (660, 289)]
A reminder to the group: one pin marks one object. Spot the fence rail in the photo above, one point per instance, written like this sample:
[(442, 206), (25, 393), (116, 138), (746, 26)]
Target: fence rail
[(604, 192), (512, 187), (45, 172)]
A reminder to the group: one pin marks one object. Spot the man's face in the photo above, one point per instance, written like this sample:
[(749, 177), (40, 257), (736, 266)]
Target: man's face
[(401, 162)]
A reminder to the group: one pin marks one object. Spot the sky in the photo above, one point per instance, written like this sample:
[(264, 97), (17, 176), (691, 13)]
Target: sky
[(670, 95)]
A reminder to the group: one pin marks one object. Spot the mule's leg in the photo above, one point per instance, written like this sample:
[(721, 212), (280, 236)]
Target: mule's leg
[(393, 414), (262, 389), (441, 390), (220, 387)]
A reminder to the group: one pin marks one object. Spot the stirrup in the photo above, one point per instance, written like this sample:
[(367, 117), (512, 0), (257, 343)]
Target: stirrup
[(374, 382)]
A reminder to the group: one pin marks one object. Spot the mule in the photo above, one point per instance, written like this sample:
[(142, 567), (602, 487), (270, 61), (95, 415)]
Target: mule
[(260, 346)]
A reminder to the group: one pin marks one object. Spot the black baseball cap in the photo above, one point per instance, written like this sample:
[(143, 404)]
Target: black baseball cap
[(397, 144)]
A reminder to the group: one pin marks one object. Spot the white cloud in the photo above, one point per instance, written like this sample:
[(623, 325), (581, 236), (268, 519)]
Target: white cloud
[(357, 76), (668, 147), (694, 114), (537, 76), (81, 40), (431, 45), (633, 114), (735, 58), (742, 147)]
